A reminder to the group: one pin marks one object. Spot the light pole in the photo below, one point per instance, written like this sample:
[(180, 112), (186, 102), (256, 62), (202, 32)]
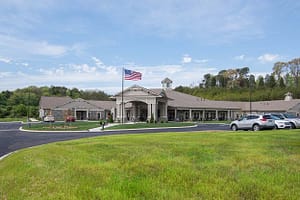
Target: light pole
[(250, 93), (28, 108)]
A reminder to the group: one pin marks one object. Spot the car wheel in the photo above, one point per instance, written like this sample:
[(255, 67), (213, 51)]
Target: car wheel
[(234, 127), (255, 127), (293, 126)]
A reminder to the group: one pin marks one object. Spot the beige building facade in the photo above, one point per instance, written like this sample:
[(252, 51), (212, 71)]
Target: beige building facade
[(137, 103)]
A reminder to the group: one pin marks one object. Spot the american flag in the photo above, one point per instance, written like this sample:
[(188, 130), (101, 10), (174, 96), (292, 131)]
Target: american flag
[(132, 75)]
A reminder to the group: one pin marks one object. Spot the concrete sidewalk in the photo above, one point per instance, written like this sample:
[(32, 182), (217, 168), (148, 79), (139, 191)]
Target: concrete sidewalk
[(106, 126)]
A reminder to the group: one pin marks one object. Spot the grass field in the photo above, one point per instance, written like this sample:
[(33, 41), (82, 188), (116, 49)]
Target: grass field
[(200, 165), (84, 126), (62, 126), (24, 119), (151, 125)]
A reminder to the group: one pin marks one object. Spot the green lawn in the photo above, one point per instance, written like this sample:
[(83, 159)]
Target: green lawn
[(84, 126), (200, 165), (62, 126), (150, 125), (24, 119)]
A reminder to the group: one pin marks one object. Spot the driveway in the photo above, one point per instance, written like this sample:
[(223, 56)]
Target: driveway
[(12, 139)]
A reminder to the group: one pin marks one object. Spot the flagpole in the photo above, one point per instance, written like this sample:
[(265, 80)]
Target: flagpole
[(122, 103)]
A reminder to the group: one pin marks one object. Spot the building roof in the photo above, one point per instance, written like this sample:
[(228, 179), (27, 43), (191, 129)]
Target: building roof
[(78, 104), (270, 106), (52, 102), (167, 80), (182, 100), (175, 99), (106, 105), (69, 103), (139, 91)]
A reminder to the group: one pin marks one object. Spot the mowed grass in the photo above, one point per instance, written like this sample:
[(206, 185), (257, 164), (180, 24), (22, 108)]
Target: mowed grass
[(24, 119), (62, 126), (199, 165), (150, 125)]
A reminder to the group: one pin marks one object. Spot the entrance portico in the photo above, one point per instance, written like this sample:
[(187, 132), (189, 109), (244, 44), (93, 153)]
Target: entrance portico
[(141, 104)]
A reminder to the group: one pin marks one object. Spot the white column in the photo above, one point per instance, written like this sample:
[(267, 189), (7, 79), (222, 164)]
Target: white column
[(149, 111), (134, 111), (190, 112), (203, 115), (166, 111), (217, 113), (154, 110)]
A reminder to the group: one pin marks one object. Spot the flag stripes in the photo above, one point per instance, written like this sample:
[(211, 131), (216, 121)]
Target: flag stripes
[(132, 75)]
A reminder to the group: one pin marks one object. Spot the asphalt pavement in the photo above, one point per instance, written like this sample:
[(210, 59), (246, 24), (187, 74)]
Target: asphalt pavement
[(12, 139)]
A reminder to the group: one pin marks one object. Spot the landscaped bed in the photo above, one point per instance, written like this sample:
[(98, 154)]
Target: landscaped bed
[(200, 165), (150, 125), (62, 126), (85, 126)]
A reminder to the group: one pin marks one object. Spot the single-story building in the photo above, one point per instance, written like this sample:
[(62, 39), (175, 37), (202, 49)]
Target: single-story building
[(61, 107), (137, 103)]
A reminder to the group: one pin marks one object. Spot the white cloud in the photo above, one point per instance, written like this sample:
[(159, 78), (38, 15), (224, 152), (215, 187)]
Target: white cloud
[(5, 74), (16, 45), (108, 80), (202, 61), (188, 18), (186, 59), (101, 65), (84, 68), (5, 60), (98, 62), (43, 48), (268, 58), (240, 57)]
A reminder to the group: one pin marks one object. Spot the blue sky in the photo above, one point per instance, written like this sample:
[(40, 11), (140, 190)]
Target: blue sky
[(86, 43)]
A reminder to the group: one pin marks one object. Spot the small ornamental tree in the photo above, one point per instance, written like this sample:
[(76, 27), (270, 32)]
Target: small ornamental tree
[(152, 118)]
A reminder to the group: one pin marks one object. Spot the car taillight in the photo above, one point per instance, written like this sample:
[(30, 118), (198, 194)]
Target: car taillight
[(263, 119)]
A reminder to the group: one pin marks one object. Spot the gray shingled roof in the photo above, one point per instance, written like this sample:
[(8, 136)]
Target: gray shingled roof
[(182, 100), (176, 99), (52, 102), (78, 104), (69, 103), (107, 105), (270, 106)]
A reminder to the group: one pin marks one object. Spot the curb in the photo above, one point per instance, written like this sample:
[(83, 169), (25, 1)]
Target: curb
[(40, 131), (6, 155), (148, 128)]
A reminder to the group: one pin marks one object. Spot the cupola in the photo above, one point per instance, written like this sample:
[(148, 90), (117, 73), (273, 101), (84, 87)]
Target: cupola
[(167, 83)]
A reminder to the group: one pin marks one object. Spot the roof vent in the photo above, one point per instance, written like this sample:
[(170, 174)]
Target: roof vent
[(288, 96)]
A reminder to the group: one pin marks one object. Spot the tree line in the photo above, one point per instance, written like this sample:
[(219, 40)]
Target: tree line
[(240, 85), (24, 102)]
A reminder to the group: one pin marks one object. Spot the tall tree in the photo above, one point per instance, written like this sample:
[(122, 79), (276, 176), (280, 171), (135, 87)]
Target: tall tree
[(261, 82)]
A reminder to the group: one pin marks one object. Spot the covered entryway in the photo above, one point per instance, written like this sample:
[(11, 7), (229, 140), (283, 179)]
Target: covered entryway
[(136, 111), (140, 104), (81, 115)]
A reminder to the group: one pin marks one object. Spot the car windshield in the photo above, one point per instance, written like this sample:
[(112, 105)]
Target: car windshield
[(288, 115), (278, 115), (267, 117), (275, 117)]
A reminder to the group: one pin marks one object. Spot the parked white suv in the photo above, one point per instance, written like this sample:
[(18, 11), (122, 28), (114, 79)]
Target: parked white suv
[(293, 119), (281, 123), (253, 122)]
